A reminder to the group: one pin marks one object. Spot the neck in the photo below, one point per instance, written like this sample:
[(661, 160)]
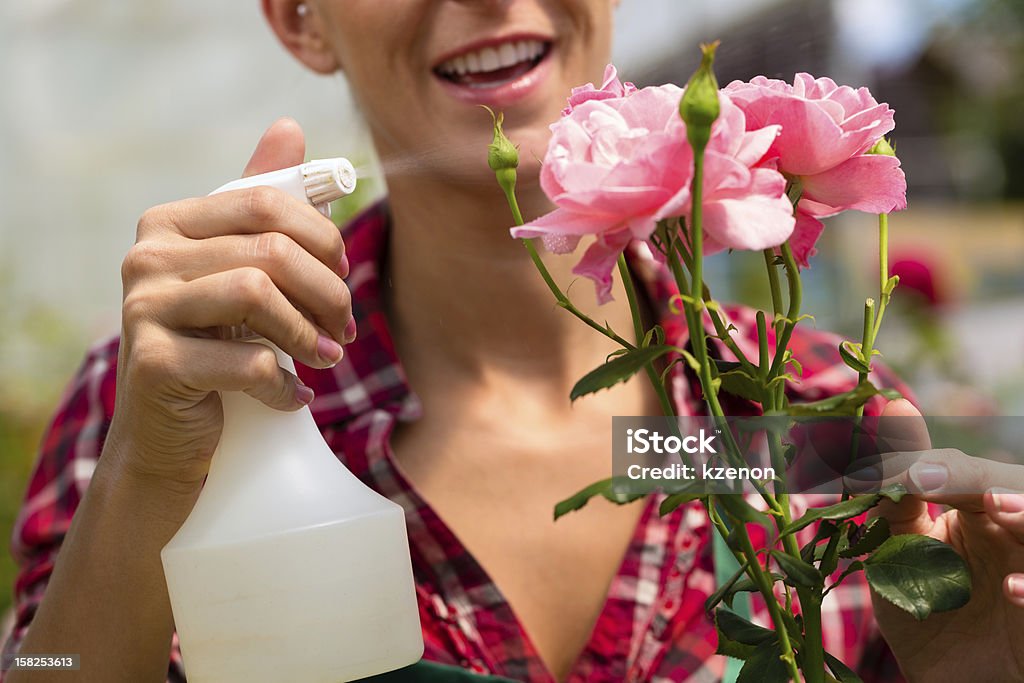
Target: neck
[(467, 300)]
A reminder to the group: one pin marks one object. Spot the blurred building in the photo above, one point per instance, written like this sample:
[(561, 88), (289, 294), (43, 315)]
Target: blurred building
[(953, 70)]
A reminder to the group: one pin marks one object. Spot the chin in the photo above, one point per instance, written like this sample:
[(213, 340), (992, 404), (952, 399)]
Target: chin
[(532, 139)]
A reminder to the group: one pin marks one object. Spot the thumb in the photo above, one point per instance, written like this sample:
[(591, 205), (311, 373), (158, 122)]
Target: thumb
[(902, 428), (281, 146)]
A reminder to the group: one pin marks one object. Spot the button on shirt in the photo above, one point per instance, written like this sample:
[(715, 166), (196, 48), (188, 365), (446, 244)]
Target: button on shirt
[(652, 626)]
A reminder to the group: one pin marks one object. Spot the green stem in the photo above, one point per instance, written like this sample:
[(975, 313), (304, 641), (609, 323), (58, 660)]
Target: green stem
[(773, 281), (884, 294), (812, 652), (699, 344), (868, 334), (693, 322), (795, 301), (638, 330), (696, 232), (560, 297), (883, 251), (762, 345), (694, 315), (779, 616), (764, 585), (873, 319), (697, 335), (720, 328), (867, 340)]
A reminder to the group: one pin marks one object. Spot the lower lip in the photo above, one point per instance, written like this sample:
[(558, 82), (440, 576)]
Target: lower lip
[(506, 94)]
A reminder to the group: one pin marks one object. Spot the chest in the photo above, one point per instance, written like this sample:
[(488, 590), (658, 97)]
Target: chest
[(495, 490)]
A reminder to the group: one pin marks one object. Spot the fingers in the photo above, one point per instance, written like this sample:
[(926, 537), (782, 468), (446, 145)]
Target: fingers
[(206, 365), (244, 296), (282, 145), (248, 367), (947, 476), (902, 428), (1006, 509), (1013, 589), (311, 286), (246, 212)]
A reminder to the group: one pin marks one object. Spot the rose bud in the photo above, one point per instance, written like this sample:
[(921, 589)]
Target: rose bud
[(699, 106)]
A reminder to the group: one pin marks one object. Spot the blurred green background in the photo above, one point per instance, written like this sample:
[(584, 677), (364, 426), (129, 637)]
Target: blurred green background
[(26, 400), (90, 139)]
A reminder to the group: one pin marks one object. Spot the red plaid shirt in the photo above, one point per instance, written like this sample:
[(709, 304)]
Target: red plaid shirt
[(652, 626)]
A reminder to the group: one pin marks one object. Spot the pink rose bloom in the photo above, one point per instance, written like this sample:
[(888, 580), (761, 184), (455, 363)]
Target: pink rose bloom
[(826, 131), (611, 87), (617, 165)]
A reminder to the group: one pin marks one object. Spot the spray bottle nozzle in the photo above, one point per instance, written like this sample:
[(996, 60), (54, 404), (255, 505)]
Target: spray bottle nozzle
[(328, 179), (318, 182)]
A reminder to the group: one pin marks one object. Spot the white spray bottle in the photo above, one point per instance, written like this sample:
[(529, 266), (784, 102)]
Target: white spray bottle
[(288, 567)]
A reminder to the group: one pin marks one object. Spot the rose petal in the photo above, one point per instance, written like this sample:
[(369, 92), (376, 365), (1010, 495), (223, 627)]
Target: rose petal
[(748, 224), (560, 244), (563, 222), (621, 201), (756, 143), (872, 182), (599, 261), (805, 235), (810, 140)]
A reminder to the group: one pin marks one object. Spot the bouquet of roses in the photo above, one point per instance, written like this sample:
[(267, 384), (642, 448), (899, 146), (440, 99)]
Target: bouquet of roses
[(753, 166)]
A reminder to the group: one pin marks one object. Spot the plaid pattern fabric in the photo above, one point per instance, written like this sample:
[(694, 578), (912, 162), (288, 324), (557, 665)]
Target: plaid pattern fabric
[(652, 627)]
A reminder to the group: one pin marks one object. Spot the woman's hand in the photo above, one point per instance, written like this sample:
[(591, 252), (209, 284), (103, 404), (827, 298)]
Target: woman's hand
[(256, 257), (253, 257), (984, 640)]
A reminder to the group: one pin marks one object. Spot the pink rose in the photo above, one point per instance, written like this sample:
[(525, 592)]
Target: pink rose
[(826, 131), (617, 165), (611, 87)]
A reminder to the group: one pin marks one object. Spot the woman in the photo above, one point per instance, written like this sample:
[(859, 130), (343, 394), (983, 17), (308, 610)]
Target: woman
[(488, 440)]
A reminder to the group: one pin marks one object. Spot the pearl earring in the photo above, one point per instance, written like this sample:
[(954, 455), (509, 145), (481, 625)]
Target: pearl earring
[(301, 9)]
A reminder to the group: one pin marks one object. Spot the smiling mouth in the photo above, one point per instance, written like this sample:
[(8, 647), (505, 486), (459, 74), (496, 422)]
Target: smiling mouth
[(494, 66)]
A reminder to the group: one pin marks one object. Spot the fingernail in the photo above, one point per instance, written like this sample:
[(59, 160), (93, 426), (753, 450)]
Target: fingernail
[(343, 267), (329, 350), (1016, 586), (350, 330), (1008, 501), (928, 476), (303, 394)]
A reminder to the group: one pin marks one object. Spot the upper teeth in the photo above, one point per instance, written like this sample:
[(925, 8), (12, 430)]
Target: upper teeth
[(492, 58)]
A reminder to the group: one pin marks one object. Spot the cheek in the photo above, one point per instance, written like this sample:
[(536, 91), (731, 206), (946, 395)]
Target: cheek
[(533, 145), (587, 26), (369, 39), (603, 28)]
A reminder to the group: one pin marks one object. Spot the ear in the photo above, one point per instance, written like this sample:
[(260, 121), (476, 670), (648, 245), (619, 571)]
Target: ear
[(300, 28)]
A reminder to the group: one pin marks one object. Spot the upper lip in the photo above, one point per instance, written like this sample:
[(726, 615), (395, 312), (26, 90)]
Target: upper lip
[(489, 42)]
